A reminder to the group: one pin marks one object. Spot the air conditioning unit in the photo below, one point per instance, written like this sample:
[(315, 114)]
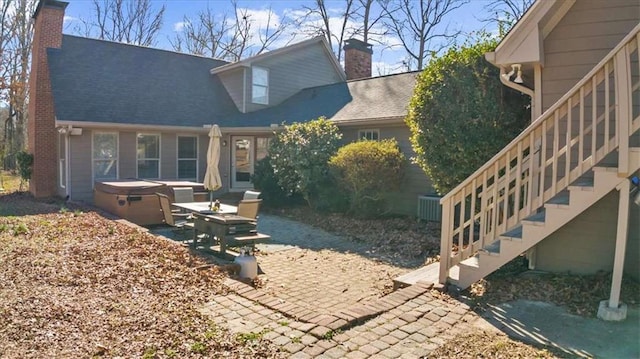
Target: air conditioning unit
[(429, 208)]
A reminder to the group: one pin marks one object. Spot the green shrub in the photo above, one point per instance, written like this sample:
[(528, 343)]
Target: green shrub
[(461, 115), (367, 171), (299, 158), (266, 182)]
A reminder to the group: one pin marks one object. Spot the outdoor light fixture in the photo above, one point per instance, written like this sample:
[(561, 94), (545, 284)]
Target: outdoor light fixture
[(518, 79), (507, 76), (516, 69)]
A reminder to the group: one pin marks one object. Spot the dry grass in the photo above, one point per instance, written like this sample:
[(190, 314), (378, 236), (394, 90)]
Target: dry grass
[(9, 182)]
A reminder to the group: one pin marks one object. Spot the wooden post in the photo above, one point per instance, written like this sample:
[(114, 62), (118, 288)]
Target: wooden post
[(621, 243), (623, 109), (445, 240)]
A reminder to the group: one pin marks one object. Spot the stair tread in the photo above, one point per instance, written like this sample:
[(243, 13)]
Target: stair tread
[(513, 233), (472, 262), (538, 217), (429, 273), (582, 182), (493, 248), (560, 198)]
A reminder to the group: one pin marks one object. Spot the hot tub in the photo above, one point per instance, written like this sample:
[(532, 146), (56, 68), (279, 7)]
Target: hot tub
[(136, 200)]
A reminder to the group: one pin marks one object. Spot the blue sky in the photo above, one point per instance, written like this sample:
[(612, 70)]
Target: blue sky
[(386, 60)]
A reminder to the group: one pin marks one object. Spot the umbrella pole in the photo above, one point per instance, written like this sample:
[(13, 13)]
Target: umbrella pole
[(210, 199)]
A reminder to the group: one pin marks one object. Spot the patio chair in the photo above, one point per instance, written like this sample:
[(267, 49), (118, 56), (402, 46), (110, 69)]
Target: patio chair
[(178, 220), (249, 208), (183, 195), (251, 195)]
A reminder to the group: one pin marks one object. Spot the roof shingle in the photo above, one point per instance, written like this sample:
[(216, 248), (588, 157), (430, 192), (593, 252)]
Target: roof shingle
[(102, 81)]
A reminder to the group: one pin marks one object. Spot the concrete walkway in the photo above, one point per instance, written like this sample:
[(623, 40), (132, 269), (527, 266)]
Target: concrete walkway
[(544, 323), (320, 296)]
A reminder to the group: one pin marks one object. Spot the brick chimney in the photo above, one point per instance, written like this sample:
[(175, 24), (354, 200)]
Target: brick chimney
[(41, 127), (357, 59)]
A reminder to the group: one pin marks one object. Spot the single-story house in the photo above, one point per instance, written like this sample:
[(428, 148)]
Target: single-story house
[(102, 111)]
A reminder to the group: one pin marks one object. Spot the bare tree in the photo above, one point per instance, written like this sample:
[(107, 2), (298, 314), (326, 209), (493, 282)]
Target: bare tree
[(131, 21), (420, 27), (317, 22), (505, 13), (16, 34), (229, 37), (369, 20)]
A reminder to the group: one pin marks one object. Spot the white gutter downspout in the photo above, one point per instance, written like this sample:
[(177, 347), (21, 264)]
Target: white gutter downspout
[(525, 90)]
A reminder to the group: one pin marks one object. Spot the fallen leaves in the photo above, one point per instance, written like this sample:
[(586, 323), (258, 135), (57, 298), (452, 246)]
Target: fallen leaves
[(75, 284), (402, 240), (580, 294), (483, 344)]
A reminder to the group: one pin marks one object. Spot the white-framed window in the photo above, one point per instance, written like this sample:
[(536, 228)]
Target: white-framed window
[(105, 155), (369, 134), (62, 160), (259, 85), (188, 158), (148, 155)]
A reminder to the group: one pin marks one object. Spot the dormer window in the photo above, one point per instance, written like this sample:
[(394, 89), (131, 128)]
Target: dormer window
[(260, 85)]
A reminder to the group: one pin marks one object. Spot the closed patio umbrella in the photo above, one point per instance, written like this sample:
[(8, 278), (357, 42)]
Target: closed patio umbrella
[(212, 179)]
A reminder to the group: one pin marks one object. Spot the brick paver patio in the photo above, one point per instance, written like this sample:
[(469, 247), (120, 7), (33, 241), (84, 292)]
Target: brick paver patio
[(324, 280), (320, 296)]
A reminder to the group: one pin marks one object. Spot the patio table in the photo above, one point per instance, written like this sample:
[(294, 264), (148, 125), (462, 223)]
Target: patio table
[(229, 229), (203, 208)]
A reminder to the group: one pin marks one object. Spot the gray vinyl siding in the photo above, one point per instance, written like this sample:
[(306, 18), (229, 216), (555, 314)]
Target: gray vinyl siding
[(588, 32), (292, 72), (587, 243), (127, 158), (632, 260), (416, 182), (62, 192), (232, 81), (225, 164), (203, 145), (288, 74), (80, 167), (168, 156)]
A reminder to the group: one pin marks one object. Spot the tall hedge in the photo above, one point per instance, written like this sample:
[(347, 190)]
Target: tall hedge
[(461, 115), (368, 171)]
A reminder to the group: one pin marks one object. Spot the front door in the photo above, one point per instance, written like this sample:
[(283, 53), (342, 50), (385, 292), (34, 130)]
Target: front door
[(242, 161)]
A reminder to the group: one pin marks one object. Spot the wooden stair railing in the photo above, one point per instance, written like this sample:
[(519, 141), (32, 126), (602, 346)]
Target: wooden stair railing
[(588, 123)]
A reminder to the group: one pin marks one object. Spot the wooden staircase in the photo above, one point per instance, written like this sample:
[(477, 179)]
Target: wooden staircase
[(578, 151), (556, 212)]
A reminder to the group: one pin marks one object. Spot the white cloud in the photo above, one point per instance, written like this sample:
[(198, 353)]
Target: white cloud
[(261, 18), (66, 20), (380, 68), (377, 37), (179, 26)]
